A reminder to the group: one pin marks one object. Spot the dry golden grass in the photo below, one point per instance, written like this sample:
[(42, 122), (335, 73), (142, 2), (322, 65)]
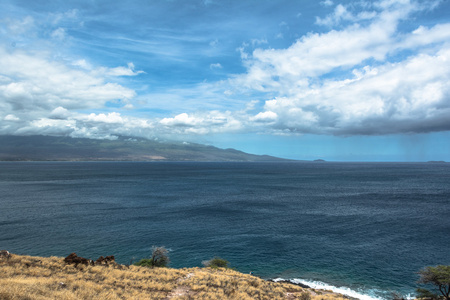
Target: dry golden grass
[(26, 277)]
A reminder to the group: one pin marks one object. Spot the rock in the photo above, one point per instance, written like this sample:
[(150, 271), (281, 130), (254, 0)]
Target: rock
[(290, 282), (105, 260), (5, 254), (73, 258), (99, 260)]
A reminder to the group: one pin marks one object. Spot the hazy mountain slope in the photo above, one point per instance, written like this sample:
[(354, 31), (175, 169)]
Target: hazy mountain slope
[(39, 148)]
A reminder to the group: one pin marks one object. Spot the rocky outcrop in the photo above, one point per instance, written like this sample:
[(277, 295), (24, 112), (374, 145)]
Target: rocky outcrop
[(105, 260), (73, 258), (4, 254)]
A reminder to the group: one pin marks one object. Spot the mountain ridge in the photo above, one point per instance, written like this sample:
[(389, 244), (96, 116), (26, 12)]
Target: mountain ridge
[(124, 148)]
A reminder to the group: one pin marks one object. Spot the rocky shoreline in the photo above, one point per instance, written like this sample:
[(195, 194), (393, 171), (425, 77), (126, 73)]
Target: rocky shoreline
[(74, 277)]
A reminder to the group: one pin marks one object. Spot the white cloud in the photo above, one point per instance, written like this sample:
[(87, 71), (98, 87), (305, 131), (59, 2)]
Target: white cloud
[(39, 95), (128, 106), (267, 116), (411, 95), (92, 134), (129, 70), (59, 33), (11, 117), (258, 42), (317, 54), (46, 126), (41, 84), (61, 17), (341, 13), (44, 122), (370, 96), (388, 82), (424, 36), (326, 3), (215, 66), (21, 26), (202, 123), (82, 63), (121, 71), (181, 120), (112, 118), (59, 113)]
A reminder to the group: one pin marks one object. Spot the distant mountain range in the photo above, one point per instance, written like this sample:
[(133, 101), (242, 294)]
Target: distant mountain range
[(50, 148)]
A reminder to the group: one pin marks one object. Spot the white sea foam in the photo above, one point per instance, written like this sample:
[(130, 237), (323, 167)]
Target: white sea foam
[(363, 295)]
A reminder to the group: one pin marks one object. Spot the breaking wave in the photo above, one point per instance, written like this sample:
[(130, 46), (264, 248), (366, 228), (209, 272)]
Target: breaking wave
[(369, 294)]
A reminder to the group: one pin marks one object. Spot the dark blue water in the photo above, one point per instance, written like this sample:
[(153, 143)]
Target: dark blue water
[(364, 226)]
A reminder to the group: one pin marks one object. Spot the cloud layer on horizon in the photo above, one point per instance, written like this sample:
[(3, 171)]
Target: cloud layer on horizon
[(360, 75)]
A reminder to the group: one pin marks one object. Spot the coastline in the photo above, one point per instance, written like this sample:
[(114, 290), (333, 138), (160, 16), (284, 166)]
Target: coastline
[(331, 229), (35, 277), (322, 286)]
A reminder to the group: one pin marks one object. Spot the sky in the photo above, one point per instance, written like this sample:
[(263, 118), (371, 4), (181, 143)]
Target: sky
[(335, 79)]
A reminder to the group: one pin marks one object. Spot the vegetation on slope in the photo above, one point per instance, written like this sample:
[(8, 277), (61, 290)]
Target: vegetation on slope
[(438, 278), (27, 277)]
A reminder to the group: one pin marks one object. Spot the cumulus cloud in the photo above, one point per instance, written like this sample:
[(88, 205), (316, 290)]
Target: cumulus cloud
[(410, 96), (112, 118), (180, 120), (59, 113), (383, 97), (202, 123), (267, 116), (365, 77), (38, 83), (42, 96)]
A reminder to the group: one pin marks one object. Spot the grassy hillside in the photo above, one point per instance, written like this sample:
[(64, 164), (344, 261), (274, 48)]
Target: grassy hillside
[(49, 148), (27, 277)]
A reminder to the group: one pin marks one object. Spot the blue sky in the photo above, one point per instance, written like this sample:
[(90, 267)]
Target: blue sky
[(339, 80)]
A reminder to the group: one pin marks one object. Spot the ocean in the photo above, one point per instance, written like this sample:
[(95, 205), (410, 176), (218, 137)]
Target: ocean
[(363, 229)]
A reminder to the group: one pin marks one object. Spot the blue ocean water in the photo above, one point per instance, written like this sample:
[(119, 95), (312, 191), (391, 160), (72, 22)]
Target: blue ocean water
[(365, 228)]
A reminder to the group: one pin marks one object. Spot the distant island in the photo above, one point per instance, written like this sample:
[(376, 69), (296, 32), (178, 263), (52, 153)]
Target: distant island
[(53, 148)]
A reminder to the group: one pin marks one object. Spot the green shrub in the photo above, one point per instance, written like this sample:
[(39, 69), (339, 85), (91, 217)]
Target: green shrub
[(437, 277), (160, 258), (145, 262), (216, 262)]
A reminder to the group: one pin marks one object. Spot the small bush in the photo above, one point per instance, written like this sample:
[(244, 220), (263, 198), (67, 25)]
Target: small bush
[(305, 296), (145, 262), (160, 258), (216, 262)]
